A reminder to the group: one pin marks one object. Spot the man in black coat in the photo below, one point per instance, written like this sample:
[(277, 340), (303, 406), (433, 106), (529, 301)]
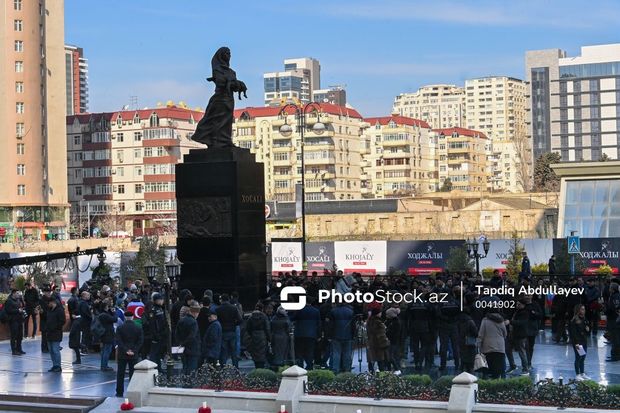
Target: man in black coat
[(31, 300), (229, 318), (129, 339), (54, 324), (85, 313), (159, 328), (188, 336), (46, 297), (107, 318), (14, 308), (72, 304)]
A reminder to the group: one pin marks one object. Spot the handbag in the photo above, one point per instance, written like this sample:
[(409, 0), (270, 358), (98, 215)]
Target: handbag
[(480, 362)]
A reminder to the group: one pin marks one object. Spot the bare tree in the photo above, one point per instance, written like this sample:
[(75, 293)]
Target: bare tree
[(523, 161)]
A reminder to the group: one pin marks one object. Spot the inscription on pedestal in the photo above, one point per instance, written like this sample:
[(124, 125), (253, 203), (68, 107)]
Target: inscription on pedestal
[(204, 217)]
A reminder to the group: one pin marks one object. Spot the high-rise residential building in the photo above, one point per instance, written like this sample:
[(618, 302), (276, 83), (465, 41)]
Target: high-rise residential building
[(442, 106), (77, 80), (336, 95), (574, 102), (331, 158), (296, 83), (495, 105), (396, 161), (461, 158), (122, 168), (33, 193)]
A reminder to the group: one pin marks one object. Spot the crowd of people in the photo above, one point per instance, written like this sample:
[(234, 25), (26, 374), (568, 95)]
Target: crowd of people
[(142, 323)]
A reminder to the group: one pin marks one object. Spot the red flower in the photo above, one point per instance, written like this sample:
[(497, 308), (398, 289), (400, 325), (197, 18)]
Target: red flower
[(127, 406), (204, 409)]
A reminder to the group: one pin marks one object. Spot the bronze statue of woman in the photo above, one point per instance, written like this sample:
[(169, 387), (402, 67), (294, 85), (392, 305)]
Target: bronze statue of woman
[(215, 127)]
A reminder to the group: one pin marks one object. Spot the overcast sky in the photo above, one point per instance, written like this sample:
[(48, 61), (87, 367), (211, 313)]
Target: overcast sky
[(160, 50)]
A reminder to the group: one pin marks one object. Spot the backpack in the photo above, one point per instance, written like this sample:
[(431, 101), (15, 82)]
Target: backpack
[(97, 329)]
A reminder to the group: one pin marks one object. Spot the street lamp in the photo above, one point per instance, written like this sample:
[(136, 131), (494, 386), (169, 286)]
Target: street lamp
[(472, 250), (151, 270), (173, 269), (286, 130)]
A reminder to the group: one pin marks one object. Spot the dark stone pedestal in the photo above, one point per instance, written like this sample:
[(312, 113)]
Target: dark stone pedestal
[(221, 223)]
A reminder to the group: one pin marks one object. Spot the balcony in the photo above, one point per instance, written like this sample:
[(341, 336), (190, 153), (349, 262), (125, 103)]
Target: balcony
[(282, 162), (281, 148), (393, 155), (245, 123), (397, 167), (283, 190), (396, 142), (320, 161)]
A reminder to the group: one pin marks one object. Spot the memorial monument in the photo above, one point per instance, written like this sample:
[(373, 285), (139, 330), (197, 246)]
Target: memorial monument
[(221, 201)]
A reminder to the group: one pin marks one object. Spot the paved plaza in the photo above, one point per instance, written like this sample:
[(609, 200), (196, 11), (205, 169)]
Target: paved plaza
[(28, 374)]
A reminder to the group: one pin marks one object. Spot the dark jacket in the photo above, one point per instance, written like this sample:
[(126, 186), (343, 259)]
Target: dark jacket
[(579, 331), (13, 308), (378, 342), (75, 335), (157, 324), (85, 313), (31, 299), (419, 314), (280, 340), (203, 320), (107, 320), (533, 322), (307, 322), (467, 328), (212, 341), (393, 328), (341, 323), (55, 323), (258, 333), (519, 323), (188, 335), (129, 336), (551, 266), (72, 305), (228, 316)]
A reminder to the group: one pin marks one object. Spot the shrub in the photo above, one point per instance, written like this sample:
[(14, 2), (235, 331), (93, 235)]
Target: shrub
[(347, 377), (540, 269), (614, 389), (418, 380), (443, 385), (281, 370), (604, 270), (19, 283), (3, 298), (263, 375), (487, 272), (319, 378)]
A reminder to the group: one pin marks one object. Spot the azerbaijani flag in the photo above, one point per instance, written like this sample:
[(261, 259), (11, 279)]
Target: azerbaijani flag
[(137, 308)]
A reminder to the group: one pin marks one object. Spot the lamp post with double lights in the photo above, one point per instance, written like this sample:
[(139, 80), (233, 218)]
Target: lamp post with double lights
[(472, 250), (286, 130)]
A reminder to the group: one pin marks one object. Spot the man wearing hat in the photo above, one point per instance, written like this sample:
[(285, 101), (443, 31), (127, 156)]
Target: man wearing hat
[(212, 340), (157, 324), (129, 340), (188, 337)]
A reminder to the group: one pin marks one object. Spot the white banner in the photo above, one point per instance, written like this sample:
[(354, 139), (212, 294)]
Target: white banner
[(286, 257), (366, 257)]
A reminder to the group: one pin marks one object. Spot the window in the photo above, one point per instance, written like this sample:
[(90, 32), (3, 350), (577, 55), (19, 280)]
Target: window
[(121, 206), (21, 149), (17, 5), (138, 188), (137, 153), (120, 171), (78, 156), (21, 169), (154, 120), (78, 191), (20, 129), (77, 140), (148, 152), (19, 107), (21, 189), (137, 171), (139, 206), (19, 87), (18, 25), (120, 137), (121, 189), (19, 66), (19, 46)]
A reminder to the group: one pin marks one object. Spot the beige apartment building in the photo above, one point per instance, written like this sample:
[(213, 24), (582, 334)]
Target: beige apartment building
[(396, 158), (122, 168), (33, 194), (442, 106), (331, 161), (496, 106), (461, 158)]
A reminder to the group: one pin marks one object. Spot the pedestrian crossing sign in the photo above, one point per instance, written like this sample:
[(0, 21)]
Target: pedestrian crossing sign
[(574, 246)]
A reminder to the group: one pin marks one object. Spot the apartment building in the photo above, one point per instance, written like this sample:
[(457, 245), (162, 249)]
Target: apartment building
[(441, 106), (122, 168), (33, 194), (495, 106), (296, 83), (396, 157), (461, 158), (574, 102), (77, 80), (331, 158)]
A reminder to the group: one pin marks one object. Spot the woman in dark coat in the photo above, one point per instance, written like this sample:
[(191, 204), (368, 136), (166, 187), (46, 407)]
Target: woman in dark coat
[(280, 340), (75, 337), (579, 329), (468, 332), (257, 334), (378, 343)]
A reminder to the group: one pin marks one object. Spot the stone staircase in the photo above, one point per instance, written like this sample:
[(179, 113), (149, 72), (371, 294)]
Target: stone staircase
[(47, 404)]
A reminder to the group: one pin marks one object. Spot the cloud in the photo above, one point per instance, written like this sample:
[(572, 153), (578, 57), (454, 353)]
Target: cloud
[(567, 14)]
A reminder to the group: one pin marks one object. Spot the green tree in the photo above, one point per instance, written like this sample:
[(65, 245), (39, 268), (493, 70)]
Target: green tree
[(150, 249), (446, 186), (545, 179), (562, 260), (515, 256), (459, 260)]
